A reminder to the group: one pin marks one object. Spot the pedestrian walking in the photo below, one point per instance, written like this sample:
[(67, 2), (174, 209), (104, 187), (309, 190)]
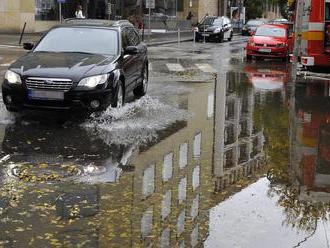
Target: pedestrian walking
[(79, 13)]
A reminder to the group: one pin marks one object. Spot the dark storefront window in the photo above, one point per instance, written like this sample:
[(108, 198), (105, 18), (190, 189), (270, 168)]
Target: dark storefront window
[(46, 10)]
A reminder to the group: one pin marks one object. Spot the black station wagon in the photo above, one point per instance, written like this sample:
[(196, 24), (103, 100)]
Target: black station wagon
[(82, 64)]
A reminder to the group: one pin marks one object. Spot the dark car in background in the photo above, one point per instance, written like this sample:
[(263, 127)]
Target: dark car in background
[(215, 28), (251, 26), (82, 64)]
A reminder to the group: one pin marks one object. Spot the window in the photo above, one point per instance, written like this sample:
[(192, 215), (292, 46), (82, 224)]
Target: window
[(46, 10), (183, 156), (168, 167), (273, 32), (197, 145), (182, 190), (181, 223), (133, 37), (149, 181), (195, 177), (166, 204), (146, 222), (75, 40)]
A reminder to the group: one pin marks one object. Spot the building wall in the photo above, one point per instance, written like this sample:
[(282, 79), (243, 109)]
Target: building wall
[(13, 14)]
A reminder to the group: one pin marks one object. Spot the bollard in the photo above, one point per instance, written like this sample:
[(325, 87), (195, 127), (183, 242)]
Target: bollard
[(179, 36), (22, 33)]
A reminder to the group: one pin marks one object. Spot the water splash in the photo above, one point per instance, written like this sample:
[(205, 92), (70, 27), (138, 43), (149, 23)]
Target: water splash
[(135, 123)]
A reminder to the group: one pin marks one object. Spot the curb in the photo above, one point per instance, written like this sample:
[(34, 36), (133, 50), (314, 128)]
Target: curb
[(167, 42)]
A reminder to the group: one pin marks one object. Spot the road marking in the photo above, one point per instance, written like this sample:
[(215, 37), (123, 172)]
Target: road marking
[(206, 68), (10, 46), (175, 67)]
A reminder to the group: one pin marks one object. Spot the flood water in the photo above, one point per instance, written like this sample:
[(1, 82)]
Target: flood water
[(241, 160)]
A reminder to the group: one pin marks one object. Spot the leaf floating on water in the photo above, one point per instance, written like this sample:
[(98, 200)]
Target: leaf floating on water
[(19, 229)]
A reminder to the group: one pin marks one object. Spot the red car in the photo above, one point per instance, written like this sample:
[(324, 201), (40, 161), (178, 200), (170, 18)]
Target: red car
[(270, 41)]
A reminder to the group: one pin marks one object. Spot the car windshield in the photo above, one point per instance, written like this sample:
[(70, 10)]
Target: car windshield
[(208, 21), (254, 23), (80, 40), (273, 32)]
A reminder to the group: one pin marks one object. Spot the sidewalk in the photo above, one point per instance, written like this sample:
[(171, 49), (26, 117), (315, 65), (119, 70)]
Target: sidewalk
[(155, 38)]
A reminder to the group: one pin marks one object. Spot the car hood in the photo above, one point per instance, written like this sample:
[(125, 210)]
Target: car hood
[(73, 66), (267, 39)]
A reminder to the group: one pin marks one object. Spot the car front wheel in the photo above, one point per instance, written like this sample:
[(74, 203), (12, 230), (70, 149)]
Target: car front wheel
[(119, 98), (141, 90)]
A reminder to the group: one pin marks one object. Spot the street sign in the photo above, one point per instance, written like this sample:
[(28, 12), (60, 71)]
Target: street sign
[(150, 4), (61, 1)]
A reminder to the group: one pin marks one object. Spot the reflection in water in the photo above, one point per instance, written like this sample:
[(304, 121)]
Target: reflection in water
[(167, 189)]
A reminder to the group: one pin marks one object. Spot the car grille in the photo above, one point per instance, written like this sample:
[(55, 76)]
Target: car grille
[(59, 84), (265, 45)]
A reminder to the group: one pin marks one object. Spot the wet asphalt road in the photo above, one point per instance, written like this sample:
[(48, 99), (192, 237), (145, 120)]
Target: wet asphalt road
[(220, 153)]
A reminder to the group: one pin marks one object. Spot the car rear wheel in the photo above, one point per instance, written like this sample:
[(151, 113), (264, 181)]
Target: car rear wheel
[(231, 36), (220, 39), (119, 99), (141, 90)]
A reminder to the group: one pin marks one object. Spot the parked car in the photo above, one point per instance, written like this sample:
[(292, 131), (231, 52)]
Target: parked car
[(83, 64), (270, 41), (279, 21), (214, 28), (251, 26)]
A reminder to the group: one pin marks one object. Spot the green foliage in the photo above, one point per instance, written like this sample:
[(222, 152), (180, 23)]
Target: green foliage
[(253, 9)]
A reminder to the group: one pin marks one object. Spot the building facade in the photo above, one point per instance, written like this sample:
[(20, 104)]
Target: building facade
[(39, 15)]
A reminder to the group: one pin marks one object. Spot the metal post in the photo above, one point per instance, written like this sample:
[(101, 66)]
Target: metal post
[(22, 33), (60, 11), (194, 40), (179, 36), (297, 41), (149, 29)]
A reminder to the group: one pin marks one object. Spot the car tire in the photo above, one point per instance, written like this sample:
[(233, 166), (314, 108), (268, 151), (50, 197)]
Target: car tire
[(12, 109), (231, 36), (119, 98), (220, 39), (141, 90)]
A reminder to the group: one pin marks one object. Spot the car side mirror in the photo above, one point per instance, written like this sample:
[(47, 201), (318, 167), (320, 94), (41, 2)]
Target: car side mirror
[(28, 46), (131, 50)]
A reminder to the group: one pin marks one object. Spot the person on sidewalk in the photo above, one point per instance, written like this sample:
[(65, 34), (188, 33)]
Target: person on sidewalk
[(79, 13)]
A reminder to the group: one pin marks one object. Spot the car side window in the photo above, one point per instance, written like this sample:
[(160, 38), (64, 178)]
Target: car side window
[(133, 37), (124, 38)]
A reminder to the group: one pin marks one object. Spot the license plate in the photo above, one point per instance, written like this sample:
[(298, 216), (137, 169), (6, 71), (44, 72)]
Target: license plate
[(264, 50), (45, 95), (206, 35)]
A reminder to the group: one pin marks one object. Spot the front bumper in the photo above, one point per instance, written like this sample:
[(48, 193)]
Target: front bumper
[(274, 52), (73, 99), (208, 35)]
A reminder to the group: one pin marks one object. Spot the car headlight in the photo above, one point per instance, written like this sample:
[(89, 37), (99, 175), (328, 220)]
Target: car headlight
[(281, 45), (13, 77), (217, 30), (92, 82)]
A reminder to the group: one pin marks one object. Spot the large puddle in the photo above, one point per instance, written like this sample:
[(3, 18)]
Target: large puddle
[(243, 162)]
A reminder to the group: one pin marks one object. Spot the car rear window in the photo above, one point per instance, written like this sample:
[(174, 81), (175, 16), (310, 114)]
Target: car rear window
[(208, 21), (254, 23), (271, 31), (80, 39)]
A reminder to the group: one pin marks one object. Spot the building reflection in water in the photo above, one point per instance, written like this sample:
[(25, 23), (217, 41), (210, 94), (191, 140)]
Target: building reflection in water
[(164, 199)]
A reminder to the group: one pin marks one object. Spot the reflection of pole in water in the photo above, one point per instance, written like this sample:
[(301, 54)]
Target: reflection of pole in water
[(219, 124)]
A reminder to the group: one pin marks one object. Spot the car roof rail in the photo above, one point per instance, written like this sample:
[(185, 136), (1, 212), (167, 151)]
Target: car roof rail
[(96, 22)]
